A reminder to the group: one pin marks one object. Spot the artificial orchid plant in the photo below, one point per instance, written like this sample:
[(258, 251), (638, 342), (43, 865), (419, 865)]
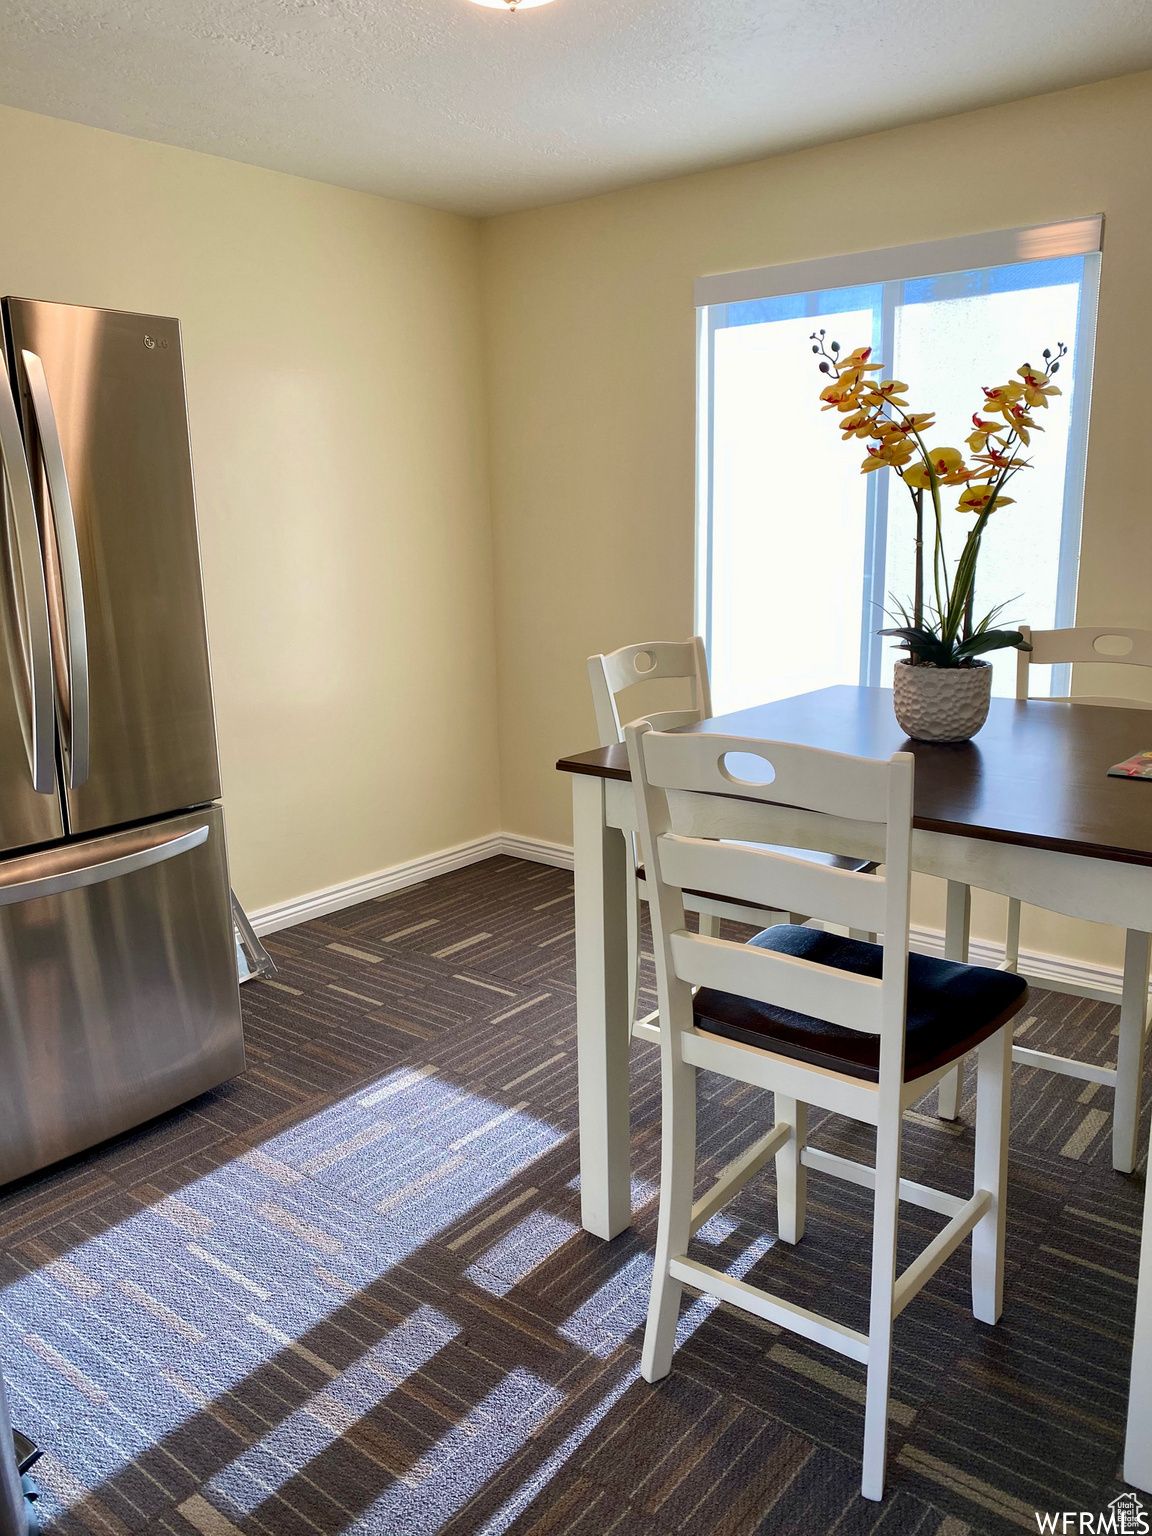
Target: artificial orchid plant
[(940, 634)]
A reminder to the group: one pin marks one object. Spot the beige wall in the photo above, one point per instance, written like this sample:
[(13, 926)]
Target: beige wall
[(332, 344), (590, 349)]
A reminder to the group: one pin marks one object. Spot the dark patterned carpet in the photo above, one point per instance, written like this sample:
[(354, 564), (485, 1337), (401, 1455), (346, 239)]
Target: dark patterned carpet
[(349, 1292)]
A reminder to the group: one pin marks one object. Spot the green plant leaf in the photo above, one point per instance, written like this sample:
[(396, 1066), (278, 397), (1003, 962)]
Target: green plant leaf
[(992, 640), (923, 646)]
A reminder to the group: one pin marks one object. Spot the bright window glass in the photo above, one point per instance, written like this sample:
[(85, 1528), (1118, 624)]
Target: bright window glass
[(799, 554)]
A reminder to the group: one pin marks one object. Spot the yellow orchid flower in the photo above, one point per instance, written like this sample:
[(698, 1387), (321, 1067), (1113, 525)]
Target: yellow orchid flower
[(1014, 412), (859, 360), (976, 498), (919, 421), (908, 424), (949, 466), (999, 400), (892, 454), (998, 394), (1021, 423), (997, 461), (1036, 385), (861, 425), (899, 453), (851, 370), (983, 431), (890, 431), (840, 397), (891, 391), (853, 377)]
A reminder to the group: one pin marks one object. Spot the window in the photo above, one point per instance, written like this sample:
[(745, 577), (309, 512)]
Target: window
[(798, 553)]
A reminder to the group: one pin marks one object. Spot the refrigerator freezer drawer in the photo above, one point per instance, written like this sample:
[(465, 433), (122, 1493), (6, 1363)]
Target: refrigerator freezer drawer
[(118, 992)]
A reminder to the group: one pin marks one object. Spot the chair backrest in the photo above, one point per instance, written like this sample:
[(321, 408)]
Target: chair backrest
[(690, 791), (1080, 646), (611, 674)]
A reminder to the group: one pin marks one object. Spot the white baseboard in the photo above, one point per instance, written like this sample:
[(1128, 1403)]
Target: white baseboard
[(1059, 971), (333, 898), (1080, 977), (301, 909), (536, 850)]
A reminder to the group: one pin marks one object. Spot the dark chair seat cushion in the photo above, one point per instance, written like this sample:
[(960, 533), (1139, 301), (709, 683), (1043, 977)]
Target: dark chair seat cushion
[(951, 1008)]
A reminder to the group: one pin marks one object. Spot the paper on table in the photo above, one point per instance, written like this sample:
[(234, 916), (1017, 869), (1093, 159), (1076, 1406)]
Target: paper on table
[(1138, 767)]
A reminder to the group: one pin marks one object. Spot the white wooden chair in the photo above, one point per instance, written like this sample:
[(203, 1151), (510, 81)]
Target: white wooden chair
[(1056, 647), (609, 675), (817, 1018)]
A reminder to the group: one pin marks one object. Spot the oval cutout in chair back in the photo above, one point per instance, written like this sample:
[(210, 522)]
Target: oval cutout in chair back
[(747, 768), (644, 662), (1112, 645)]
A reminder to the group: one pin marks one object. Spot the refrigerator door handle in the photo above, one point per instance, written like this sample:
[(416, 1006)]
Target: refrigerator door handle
[(34, 638), (69, 552), (67, 869)]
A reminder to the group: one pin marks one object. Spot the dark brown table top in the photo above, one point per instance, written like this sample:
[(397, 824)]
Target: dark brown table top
[(1036, 775)]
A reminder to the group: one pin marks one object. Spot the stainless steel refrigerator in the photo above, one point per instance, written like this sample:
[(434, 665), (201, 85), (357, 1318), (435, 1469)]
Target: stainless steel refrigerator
[(118, 988)]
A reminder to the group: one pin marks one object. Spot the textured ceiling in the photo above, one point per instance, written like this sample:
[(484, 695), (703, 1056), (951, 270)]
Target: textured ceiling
[(443, 102)]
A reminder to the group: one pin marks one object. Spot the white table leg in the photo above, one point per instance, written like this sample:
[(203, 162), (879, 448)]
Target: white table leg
[(957, 927), (1138, 1442), (1130, 1050), (1012, 936), (603, 1033)]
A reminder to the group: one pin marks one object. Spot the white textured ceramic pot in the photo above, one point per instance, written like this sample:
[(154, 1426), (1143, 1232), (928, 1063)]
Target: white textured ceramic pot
[(941, 703)]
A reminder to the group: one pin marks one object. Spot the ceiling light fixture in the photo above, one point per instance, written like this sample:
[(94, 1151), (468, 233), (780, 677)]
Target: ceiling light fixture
[(510, 5)]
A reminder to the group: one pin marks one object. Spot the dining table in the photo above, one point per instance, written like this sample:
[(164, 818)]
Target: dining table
[(1026, 809)]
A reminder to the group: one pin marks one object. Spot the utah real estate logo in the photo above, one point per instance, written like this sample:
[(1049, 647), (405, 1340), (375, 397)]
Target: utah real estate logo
[(1125, 1516)]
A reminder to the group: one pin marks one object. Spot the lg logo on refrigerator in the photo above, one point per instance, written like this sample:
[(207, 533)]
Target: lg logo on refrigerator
[(151, 343)]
